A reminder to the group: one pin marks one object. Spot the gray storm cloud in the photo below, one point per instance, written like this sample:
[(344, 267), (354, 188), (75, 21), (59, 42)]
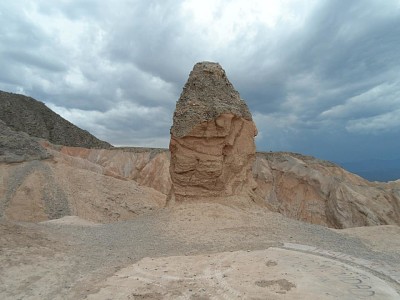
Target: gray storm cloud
[(320, 77)]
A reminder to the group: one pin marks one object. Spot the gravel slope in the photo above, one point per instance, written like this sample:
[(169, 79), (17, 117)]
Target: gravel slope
[(54, 260)]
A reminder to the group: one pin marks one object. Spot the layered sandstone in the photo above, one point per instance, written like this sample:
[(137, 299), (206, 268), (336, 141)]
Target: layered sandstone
[(146, 166), (320, 192), (212, 138), (41, 190)]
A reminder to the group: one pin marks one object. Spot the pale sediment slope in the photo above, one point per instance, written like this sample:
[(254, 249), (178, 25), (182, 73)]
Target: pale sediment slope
[(320, 192), (196, 251), (148, 167), (297, 186), (36, 191)]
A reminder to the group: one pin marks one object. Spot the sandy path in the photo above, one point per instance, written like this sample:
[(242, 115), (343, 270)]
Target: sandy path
[(70, 259)]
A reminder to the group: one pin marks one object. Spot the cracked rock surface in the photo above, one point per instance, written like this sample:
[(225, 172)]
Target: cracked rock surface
[(212, 138)]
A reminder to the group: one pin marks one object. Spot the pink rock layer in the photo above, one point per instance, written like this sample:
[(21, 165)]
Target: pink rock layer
[(214, 159)]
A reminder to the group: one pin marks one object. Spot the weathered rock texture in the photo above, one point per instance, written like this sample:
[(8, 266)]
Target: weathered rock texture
[(148, 167), (297, 186), (26, 114), (18, 146), (65, 185), (319, 192), (212, 138)]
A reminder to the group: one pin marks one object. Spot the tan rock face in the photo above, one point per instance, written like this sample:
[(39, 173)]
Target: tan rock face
[(214, 159), (212, 138), (320, 192), (148, 167), (100, 185)]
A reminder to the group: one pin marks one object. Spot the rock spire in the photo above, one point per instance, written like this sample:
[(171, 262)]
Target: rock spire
[(212, 138)]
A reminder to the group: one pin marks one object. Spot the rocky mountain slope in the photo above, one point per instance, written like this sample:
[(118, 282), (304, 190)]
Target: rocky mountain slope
[(28, 115), (19, 146)]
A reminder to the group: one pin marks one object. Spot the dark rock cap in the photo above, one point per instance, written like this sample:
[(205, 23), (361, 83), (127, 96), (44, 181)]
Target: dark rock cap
[(206, 95)]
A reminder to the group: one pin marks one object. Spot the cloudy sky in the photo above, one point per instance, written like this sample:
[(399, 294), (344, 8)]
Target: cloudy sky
[(320, 77)]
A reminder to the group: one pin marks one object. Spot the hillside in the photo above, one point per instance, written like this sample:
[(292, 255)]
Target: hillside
[(19, 146), (22, 113)]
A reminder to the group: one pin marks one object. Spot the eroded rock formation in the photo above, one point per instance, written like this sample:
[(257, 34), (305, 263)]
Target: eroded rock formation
[(320, 192), (87, 183), (212, 138)]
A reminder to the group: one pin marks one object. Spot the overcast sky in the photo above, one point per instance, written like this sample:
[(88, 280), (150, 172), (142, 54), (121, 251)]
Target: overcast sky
[(320, 77)]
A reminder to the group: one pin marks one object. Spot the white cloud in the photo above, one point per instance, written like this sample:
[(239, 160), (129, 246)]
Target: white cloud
[(388, 122), (381, 98)]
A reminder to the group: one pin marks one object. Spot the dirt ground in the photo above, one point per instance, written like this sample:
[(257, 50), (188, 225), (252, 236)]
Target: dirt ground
[(197, 251)]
